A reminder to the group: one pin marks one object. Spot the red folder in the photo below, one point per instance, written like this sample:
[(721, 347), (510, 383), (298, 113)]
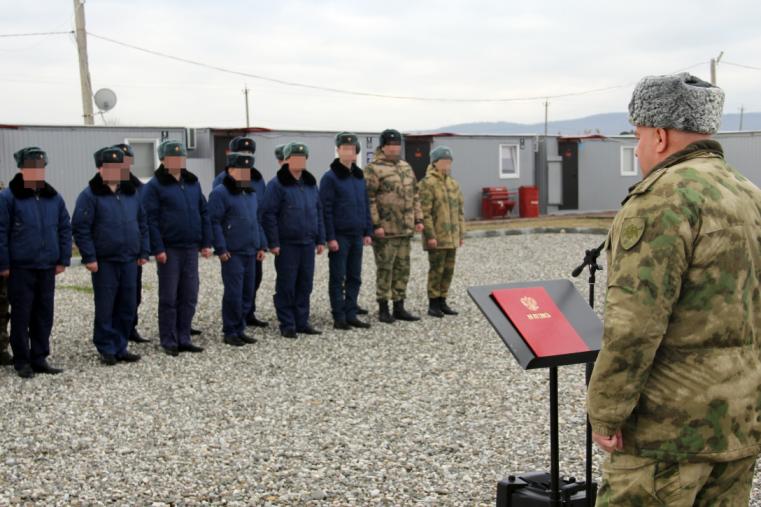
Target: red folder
[(539, 321)]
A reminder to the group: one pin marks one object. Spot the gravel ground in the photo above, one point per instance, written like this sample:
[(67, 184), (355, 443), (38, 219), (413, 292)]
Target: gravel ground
[(428, 413)]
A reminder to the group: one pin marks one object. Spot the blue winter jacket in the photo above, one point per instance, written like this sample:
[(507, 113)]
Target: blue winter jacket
[(110, 226), (234, 213), (35, 229), (176, 212), (344, 202), (292, 210), (257, 182)]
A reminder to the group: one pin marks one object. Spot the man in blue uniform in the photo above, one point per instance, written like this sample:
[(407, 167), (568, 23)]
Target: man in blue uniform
[(348, 229), (5, 317), (35, 246), (178, 224), (293, 224), (129, 158), (248, 146), (239, 243), (111, 233), (238, 144)]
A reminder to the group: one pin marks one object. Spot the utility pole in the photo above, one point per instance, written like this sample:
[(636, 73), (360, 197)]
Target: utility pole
[(742, 112), (546, 115), (84, 68), (714, 64), (245, 92)]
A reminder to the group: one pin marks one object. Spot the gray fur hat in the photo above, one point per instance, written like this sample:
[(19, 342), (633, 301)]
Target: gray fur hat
[(679, 101)]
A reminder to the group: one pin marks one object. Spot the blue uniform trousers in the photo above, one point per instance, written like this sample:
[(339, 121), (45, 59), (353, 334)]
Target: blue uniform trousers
[(257, 283), (293, 287), (345, 276), (178, 295), (138, 294), (238, 278), (114, 286), (31, 294)]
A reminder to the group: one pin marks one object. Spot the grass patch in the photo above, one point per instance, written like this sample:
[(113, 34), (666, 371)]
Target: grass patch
[(76, 288)]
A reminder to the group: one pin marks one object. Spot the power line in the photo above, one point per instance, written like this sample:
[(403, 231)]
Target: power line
[(346, 91), (751, 67), (35, 34), (690, 67), (352, 92)]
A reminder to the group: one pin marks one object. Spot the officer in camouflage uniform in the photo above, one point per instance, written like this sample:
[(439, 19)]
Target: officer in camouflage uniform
[(444, 228), (675, 396), (5, 357), (396, 216)]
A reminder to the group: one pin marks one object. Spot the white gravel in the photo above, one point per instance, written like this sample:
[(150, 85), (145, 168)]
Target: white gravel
[(428, 413)]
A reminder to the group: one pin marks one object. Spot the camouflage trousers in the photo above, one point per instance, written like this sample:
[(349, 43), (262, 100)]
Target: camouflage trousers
[(392, 267), (440, 271), (632, 480), (4, 314)]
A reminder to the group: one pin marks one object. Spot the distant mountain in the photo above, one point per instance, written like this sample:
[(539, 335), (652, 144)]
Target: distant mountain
[(606, 124)]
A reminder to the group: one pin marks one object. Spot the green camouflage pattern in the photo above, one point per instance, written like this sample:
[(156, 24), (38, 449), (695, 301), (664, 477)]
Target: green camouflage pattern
[(636, 481), (392, 194), (392, 271), (440, 271), (679, 372), (443, 209)]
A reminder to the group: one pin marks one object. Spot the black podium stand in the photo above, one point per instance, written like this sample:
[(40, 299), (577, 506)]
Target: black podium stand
[(536, 489)]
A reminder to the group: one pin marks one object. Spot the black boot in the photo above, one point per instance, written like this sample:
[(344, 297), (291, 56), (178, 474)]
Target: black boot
[(108, 359), (383, 313), (251, 320), (5, 358), (341, 324), (434, 308), (309, 330), (445, 309), (25, 371), (128, 357), (401, 314), (137, 338), (44, 367), (233, 341), (357, 323), (247, 339)]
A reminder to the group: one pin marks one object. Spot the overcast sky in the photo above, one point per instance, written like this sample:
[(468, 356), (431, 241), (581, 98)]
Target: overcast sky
[(473, 49)]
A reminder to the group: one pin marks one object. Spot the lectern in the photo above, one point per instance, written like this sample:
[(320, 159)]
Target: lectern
[(545, 324)]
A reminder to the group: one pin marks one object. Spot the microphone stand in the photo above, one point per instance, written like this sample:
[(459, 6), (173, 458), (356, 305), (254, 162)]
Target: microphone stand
[(590, 261)]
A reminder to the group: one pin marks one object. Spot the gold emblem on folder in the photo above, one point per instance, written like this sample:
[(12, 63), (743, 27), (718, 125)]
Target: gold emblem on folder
[(530, 303)]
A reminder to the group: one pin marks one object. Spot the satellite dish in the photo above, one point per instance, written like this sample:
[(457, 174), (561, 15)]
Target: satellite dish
[(105, 99)]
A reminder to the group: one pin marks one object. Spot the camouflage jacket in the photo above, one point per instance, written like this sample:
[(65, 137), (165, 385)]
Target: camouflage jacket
[(442, 204), (392, 194), (680, 367)]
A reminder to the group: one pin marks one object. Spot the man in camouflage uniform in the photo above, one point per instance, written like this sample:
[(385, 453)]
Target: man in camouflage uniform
[(444, 228), (675, 396), (5, 358), (396, 216)]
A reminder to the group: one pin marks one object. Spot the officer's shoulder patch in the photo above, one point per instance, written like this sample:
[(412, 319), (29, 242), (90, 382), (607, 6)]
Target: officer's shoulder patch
[(631, 232)]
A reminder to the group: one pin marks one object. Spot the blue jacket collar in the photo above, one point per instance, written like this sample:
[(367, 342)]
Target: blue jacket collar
[(99, 187), (343, 172), (286, 179), (20, 192), (163, 176)]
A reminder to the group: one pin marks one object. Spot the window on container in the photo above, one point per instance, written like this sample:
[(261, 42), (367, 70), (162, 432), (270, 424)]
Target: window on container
[(509, 161), (629, 162), (146, 158)]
